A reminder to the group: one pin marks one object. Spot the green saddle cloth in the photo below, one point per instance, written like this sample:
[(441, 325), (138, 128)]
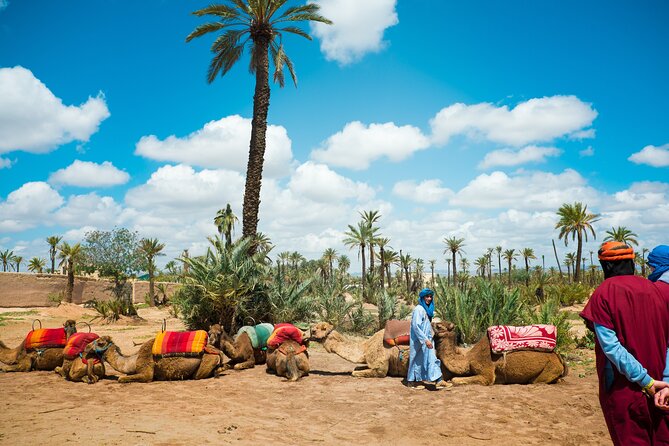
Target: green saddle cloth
[(259, 334)]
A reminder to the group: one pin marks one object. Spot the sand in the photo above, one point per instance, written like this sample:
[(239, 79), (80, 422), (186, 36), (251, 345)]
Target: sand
[(329, 407)]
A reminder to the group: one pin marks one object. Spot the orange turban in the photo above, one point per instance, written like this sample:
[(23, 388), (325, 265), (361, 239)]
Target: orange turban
[(613, 251)]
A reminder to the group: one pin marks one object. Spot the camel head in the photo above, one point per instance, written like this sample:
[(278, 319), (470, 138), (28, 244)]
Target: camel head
[(217, 335), (444, 331), (70, 327), (320, 331), (100, 345)]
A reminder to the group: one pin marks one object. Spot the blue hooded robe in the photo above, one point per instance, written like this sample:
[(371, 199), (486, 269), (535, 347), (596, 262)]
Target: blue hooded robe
[(423, 362)]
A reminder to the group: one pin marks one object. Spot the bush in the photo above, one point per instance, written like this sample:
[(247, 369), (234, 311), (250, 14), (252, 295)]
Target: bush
[(549, 313), (291, 302), (569, 293)]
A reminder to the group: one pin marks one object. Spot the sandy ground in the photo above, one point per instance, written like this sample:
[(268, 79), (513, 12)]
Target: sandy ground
[(328, 407)]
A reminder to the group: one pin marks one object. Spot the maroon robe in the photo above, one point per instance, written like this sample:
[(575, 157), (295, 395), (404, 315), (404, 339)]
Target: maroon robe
[(633, 308)]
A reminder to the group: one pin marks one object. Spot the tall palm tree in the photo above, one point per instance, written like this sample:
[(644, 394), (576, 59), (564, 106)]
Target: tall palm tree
[(570, 261), (53, 243), (510, 255), (390, 257), (454, 246), (69, 255), (481, 264), (225, 223), (329, 256), (576, 221), (499, 261), (150, 248), (6, 257), (527, 253), (488, 253), (282, 260), (357, 238), (260, 24), (343, 264), (36, 265), (383, 244), (433, 262), (369, 218), (18, 260), (622, 234)]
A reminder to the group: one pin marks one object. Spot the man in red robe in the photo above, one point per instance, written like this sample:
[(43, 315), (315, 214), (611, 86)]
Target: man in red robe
[(631, 321)]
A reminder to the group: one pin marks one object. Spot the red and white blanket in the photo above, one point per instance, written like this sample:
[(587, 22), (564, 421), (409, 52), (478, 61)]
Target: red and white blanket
[(507, 338)]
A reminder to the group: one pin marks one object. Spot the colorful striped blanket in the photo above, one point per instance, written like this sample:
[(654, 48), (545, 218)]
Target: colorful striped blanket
[(396, 332), (180, 343), (45, 338), (507, 338), (282, 333), (77, 343), (259, 334)]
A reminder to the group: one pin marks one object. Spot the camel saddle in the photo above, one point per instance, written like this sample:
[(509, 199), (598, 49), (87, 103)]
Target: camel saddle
[(259, 334), (396, 332), (282, 333), (77, 343), (507, 338), (180, 343), (285, 349), (45, 338)]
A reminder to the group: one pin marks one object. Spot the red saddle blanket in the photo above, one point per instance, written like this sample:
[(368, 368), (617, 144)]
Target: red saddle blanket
[(282, 333), (507, 338), (180, 343), (396, 332), (77, 343), (45, 338)]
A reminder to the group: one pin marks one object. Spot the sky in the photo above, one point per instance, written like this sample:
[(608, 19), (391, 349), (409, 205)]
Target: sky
[(474, 119)]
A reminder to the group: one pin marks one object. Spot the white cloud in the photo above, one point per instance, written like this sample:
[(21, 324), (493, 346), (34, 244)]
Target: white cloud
[(89, 210), (222, 144), (536, 120), (5, 163), (427, 191), (357, 145), (510, 157), (357, 28), (653, 156), (318, 183), (587, 152), (28, 206), (525, 190), (32, 119), (88, 174)]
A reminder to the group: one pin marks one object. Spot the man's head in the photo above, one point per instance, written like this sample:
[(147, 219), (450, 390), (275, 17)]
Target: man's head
[(617, 259)]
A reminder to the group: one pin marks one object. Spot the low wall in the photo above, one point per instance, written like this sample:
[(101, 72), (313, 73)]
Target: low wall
[(34, 290)]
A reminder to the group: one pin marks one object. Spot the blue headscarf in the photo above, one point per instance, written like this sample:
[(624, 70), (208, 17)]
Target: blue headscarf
[(429, 309), (659, 259)]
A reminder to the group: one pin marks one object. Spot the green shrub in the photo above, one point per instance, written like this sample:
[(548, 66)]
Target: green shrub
[(569, 293), (549, 313), (291, 302)]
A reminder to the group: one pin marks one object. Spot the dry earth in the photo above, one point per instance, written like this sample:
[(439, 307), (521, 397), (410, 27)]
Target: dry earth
[(328, 407)]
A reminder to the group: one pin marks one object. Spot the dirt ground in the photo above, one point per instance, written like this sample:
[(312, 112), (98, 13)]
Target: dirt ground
[(329, 407)]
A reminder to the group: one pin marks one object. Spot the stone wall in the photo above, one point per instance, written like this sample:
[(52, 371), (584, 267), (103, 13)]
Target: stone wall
[(34, 290)]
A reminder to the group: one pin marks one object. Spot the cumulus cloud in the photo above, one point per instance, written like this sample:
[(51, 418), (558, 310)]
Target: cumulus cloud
[(357, 28), (222, 144), (357, 145), (525, 191), (318, 183), (34, 120), (91, 210), (653, 156), (28, 206), (536, 120), (428, 191), (510, 157), (88, 174)]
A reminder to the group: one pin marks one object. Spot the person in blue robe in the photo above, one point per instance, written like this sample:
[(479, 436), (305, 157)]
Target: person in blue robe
[(423, 363)]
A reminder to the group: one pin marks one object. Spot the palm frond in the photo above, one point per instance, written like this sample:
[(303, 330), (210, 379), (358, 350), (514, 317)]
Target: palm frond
[(222, 11), (295, 30)]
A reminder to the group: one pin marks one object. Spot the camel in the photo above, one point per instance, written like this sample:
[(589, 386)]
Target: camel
[(21, 360), (381, 361), (240, 350), (88, 367), (480, 366), (144, 367), (290, 360)]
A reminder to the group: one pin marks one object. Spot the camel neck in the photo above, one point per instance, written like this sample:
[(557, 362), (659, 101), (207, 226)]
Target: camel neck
[(120, 362)]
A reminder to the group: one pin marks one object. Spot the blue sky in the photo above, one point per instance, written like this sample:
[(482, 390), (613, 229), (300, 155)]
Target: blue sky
[(472, 119)]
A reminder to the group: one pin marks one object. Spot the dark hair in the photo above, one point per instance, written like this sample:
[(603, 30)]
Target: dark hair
[(617, 268)]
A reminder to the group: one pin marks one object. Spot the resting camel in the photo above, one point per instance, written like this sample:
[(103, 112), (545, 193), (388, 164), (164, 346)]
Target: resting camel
[(144, 367), (88, 367), (480, 366), (240, 350), (22, 360), (381, 360), (290, 360)]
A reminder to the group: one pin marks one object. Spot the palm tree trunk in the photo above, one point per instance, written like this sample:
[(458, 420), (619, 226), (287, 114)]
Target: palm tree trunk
[(383, 267), (556, 257), (577, 268), (527, 273), (362, 250), (455, 279), (509, 272), (152, 301), (70, 281), (257, 144), (499, 265)]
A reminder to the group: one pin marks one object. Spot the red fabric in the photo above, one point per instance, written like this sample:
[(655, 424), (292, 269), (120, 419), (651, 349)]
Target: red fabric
[(633, 308), (397, 332), (45, 338), (507, 338), (663, 288), (77, 343), (282, 333)]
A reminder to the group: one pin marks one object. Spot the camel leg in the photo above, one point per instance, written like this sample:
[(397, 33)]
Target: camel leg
[(24, 364), (207, 366), (245, 365), (549, 374), (144, 375), (476, 379), (378, 370)]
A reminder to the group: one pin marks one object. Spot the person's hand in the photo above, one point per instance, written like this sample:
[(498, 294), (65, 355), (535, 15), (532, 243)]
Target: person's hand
[(657, 386), (428, 343), (662, 399)]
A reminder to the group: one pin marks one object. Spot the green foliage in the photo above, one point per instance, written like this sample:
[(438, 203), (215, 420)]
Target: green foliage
[(587, 341), (112, 310), (569, 293), (549, 313), (291, 302), (112, 253), (390, 307), (361, 320), (333, 306)]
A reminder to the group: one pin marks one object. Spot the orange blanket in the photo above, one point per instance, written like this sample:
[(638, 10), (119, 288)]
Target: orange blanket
[(77, 343), (180, 343), (45, 338), (397, 332)]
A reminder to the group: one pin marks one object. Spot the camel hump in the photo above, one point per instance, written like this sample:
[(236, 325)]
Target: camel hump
[(397, 332), (537, 337)]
